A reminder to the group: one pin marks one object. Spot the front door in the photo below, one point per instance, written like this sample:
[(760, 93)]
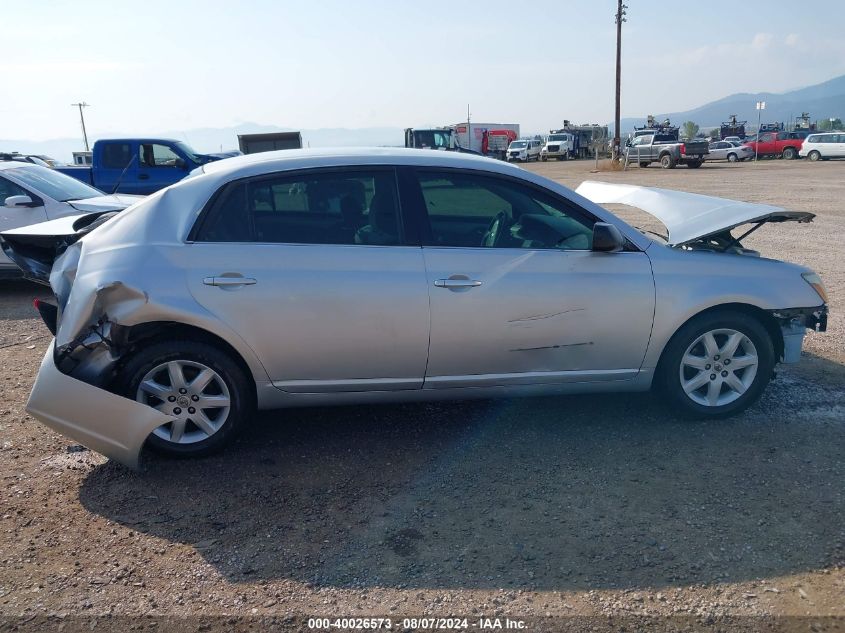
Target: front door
[(159, 166), (15, 217), (310, 270), (517, 296)]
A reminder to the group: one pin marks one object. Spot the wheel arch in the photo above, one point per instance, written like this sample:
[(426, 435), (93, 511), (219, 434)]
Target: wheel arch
[(766, 319), (163, 330)]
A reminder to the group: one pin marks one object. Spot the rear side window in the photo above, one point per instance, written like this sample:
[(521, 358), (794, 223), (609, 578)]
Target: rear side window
[(116, 155), (347, 207)]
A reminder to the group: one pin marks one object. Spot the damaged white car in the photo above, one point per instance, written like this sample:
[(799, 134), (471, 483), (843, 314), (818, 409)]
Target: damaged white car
[(304, 278)]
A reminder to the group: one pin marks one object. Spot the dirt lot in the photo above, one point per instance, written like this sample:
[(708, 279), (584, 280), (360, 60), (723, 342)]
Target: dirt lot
[(556, 509)]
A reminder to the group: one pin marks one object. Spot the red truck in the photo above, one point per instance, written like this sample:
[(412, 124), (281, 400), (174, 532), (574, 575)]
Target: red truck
[(785, 144)]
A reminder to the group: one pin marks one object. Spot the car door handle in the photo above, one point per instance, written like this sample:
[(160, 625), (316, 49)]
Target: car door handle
[(229, 282), (143, 176), (456, 283)]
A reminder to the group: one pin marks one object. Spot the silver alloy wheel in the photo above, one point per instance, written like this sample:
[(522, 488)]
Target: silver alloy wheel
[(195, 395), (718, 367)]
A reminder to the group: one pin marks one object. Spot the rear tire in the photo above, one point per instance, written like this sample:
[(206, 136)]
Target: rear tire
[(717, 364), (789, 153), (667, 161), (695, 164), (178, 377), (644, 163), (814, 155)]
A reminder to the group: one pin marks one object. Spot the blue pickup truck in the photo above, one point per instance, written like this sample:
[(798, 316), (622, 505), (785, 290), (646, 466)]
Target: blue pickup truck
[(139, 165)]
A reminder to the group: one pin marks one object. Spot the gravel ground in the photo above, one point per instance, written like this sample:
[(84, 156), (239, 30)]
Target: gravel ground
[(569, 510)]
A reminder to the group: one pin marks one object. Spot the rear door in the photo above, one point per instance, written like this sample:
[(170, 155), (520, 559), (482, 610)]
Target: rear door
[(517, 296), (309, 268), (839, 145)]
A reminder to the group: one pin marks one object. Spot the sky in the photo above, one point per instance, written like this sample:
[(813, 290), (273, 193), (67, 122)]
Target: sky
[(151, 66)]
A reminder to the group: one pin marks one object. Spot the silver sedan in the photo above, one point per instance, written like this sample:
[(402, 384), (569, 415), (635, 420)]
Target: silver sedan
[(304, 278), (729, 151)]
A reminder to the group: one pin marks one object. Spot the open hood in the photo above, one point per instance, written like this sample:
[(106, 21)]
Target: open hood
[(34, 248), (688, 216)]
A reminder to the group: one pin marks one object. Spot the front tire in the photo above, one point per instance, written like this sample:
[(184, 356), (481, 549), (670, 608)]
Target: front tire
[(203, 388), (732, 158), (717, 365)]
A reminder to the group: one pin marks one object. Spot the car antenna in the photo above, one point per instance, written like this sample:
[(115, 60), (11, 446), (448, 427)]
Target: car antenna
[(123, 173)]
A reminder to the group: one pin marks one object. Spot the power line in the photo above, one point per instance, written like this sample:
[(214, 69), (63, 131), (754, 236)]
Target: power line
[(81, 105)]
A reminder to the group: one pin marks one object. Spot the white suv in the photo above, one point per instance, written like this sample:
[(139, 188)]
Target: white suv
[(823, 146), (524, 150)]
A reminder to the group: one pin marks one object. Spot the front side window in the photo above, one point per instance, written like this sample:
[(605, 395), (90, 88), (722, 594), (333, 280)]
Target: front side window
[(470, 210), (348, 207), (8, 188), (157, 155)]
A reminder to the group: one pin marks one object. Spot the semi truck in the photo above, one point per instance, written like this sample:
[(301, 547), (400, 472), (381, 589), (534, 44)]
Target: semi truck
[(486, 139)]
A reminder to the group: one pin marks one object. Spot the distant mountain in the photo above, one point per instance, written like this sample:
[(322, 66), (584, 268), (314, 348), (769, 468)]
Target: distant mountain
[(220, 139), (822, 101)]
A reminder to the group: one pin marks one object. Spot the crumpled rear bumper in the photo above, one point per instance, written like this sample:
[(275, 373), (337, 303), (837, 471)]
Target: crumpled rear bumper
[(106, 423)]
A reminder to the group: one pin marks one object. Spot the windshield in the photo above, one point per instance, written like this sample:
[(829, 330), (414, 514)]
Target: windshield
[(557, 137), (519, 144), (45, 181), (188, 151)]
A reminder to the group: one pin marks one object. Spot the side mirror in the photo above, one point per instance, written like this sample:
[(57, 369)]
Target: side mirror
[(18, 201), (607, 238), (179, 163)]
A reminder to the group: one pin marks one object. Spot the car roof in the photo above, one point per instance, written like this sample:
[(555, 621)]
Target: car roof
[(290, 159), (15, 164)]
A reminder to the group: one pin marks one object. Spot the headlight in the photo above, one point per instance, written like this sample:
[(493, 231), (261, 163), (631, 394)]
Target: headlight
[(816, 282)]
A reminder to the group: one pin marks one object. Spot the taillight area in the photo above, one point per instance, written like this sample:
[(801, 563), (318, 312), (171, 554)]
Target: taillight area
[(49, 313), (683, 149)]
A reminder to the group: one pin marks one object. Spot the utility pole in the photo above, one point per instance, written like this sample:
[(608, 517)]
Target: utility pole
[(761, 105), (620, 18), (81, 105)]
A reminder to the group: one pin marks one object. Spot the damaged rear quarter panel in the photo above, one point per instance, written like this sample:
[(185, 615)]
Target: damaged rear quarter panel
[(128, 273)]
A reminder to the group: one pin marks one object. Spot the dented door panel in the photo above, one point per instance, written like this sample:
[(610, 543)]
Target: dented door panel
[(555, 316)]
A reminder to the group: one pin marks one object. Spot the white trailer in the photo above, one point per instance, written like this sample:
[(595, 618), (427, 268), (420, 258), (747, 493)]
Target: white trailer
[(474, 137)]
